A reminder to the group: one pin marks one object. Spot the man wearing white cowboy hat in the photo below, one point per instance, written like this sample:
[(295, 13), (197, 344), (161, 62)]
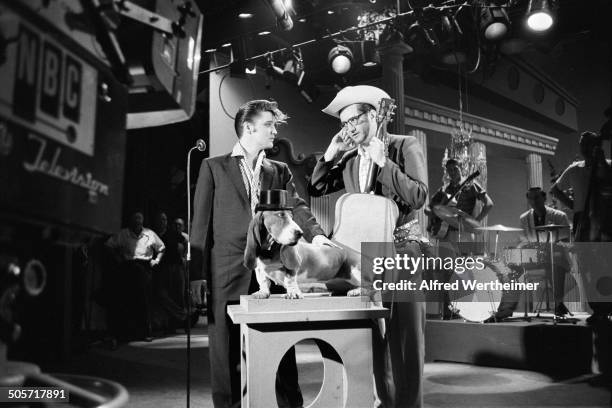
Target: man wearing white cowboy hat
[(401, 177)]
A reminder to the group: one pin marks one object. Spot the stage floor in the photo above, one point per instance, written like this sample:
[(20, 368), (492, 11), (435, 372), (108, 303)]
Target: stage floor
[(154, 375)]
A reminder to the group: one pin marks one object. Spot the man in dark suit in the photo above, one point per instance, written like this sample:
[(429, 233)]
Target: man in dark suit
[(226, 195), (399, 356)]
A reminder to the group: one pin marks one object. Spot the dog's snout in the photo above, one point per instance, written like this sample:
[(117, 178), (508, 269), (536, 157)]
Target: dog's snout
[(298, 234)]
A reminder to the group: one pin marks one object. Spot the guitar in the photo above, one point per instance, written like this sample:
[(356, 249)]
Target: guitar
[(437, 227), (366, 217)]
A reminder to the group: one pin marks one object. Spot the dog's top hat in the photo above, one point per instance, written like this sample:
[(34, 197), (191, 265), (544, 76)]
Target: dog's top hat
[(273, 200)]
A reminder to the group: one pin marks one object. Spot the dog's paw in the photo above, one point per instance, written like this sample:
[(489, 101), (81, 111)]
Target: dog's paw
[(261, 294), (293, 294), (360, 291), (354, 292)]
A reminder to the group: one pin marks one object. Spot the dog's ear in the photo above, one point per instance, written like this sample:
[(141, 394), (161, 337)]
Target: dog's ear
[(254, 235), (290, 257)]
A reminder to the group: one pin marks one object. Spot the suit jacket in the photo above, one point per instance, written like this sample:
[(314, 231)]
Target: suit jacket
[(403, 179), (552, 216), (221, 217)]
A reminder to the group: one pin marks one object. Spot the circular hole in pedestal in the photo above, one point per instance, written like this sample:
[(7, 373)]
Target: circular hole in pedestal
[(309, 373)]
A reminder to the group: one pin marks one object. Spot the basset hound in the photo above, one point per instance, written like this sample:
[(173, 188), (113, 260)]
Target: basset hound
[(276, 250)]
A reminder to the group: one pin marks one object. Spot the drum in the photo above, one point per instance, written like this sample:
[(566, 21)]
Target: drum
[(528, 258), (478, 305)]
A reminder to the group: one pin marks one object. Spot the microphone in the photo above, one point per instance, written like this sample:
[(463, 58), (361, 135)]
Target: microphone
[(200, 145)]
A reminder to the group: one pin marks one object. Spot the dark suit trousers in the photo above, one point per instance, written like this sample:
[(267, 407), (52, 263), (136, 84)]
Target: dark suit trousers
[(224, 351), (134, 293), (400, 355)]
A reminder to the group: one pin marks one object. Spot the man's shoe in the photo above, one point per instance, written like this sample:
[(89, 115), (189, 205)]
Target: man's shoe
[(561, 310), (596, 318)]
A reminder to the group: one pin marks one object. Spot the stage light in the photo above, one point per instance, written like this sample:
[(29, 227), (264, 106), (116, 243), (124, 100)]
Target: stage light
[(245, 15), (281, 11), (226, 45), (340, 59), (264, 33), (539, 15), (302, 20), (330, 12), (210, 50), (494, 23)]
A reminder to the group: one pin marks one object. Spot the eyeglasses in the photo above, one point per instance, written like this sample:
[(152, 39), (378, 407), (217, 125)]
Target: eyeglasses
[(352, 121)]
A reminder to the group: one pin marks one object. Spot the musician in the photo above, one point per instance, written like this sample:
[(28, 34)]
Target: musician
[(540, 214), (584, 177), (401, 177), (465, 200)]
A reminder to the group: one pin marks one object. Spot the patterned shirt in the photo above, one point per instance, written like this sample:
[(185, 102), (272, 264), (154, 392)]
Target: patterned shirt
[(365, 163), (250, 177)]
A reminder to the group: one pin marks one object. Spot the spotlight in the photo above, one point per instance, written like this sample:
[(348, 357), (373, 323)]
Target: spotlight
[(340, 59), (494, 23), (539, 15), (283, 19), (293, 72), (263, 33), (245, 15)]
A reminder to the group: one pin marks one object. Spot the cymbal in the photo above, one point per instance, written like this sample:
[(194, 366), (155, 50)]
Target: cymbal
[(550, 227), (500, 228), (454, 216)]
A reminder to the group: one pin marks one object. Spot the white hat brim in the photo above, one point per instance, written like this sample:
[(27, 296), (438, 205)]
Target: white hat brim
[(351, 95)]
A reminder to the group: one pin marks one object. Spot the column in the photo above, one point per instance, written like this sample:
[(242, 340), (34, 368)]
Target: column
[(422, 138), (534, 170), (392, 58)]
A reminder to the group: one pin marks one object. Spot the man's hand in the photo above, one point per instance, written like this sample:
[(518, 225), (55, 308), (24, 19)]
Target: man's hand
[(323, 240), (195, 291), (376, 150), (340, 142), (154, 262)]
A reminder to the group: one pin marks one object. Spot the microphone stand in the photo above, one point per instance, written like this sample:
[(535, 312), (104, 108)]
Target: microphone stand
[(200, 147)]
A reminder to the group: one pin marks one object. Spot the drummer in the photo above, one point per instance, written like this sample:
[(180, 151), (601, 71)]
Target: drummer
[(539, 215), (465, 201)]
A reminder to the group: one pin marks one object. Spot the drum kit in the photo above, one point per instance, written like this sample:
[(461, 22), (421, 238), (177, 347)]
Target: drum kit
[(478, 306)]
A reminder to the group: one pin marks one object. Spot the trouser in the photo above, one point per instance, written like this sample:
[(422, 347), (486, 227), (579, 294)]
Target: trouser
[(399, 349), (510, 298), (135, 293), (170, 292), (451, 247), (224, 354)]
